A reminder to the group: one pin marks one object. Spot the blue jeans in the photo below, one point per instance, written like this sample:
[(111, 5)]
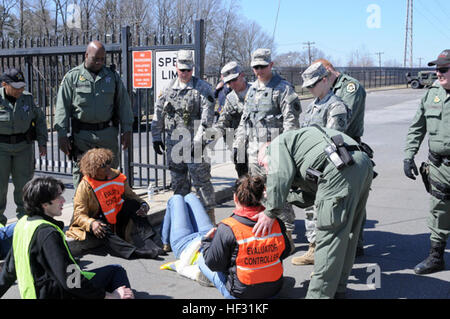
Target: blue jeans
[(6, 235), (185, 220), (219, 279)]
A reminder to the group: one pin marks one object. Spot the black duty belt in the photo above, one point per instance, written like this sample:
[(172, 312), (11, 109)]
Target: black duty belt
[(92, 126), (13, 139)]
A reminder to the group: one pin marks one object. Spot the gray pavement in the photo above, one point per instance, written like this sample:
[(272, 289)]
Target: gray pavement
[(396, 236)]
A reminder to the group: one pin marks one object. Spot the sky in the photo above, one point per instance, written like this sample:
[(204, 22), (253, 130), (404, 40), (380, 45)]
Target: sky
[(340, 27)]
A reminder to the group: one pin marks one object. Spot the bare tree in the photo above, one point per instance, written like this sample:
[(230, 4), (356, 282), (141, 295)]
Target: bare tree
[(361, 57), (250, 37), (7, 17)]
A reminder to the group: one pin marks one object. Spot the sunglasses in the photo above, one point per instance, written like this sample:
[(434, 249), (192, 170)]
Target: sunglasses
[(313, 85), (443, 69), (185, 70), (257, 67)]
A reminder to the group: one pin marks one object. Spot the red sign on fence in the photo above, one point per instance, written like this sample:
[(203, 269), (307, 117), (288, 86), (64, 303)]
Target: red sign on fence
[(142, 69)]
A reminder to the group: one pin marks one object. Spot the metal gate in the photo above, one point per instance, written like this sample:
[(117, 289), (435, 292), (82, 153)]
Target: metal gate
[(45, 61)]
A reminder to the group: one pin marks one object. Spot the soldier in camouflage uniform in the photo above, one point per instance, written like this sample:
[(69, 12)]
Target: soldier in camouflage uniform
[(185, 110), (234, 106), (352, 94), (271, 107), (326, 110), (93, 98), (19, 117), (433, 117)]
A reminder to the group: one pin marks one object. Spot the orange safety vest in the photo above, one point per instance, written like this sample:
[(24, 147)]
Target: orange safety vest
[(109, 195), (258, 258)]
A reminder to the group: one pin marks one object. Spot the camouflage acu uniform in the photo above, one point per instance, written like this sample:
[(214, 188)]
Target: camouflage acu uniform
[(269, 110), (330, 112), (184, 112)]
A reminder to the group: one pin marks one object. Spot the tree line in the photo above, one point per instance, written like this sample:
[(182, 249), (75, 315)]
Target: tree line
[(229, 34)]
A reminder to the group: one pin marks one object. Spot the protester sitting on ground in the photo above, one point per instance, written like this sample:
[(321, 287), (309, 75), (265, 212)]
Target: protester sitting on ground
[(103, 206), (184, 225), (41, 261), (6, 235), (234, 260)]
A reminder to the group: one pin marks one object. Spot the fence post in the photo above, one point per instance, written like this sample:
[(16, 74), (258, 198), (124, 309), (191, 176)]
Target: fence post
[(128, 153), (199, 47)]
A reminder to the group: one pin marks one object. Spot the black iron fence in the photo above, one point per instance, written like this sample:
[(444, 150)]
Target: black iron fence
[(45, 61), (370, 77)]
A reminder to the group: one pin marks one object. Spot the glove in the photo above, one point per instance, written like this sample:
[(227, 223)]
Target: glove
[(159, 147), (409, 167)]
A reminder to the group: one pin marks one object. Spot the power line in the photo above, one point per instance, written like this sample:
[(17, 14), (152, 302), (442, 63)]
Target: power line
[(276, 22)]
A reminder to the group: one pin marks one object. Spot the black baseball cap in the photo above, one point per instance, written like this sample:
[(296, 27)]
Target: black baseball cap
[(14, 77), (443, 58)]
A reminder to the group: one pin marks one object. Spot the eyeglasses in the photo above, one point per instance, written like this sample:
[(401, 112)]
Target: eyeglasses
[(443, 69), (257, 67), (185, 70)]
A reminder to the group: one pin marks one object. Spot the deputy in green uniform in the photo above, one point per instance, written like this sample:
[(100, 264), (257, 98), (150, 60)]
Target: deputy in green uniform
[(433, 117), (21, 122), (93, 98), (303, 171)]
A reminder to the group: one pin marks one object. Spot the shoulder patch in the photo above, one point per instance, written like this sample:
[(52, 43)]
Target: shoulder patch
[(351, 87)]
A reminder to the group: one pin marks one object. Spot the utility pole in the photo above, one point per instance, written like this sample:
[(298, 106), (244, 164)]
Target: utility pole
[(409, 34), (309, 44), (379, 58), (420, 62)]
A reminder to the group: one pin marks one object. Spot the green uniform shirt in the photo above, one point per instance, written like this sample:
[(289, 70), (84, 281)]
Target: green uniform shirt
[(17, 118), (290, 155), (92, 101), (354, 96), (432, 117)]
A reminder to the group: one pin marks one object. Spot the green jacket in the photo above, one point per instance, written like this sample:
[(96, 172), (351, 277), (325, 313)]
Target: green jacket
[(16, 119), (290, 155), (353, 94), (432, 117), (92, 101)]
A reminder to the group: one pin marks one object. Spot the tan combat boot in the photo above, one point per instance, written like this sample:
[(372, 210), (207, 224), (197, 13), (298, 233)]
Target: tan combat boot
[(307, 258), (212, 216)]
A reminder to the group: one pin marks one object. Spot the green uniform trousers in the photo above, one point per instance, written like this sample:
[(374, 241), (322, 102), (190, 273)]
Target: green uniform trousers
[(341, 207), (439, 217), (17, 161), (86, 140)]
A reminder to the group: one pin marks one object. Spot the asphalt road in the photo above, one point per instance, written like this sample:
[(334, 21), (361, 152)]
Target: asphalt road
[(396, 236)]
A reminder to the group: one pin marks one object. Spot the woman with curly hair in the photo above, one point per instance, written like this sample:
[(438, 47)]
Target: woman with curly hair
[(104, 204)]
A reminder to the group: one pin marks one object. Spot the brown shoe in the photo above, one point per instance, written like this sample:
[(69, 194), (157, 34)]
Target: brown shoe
[(203, 280), (307, 258), (167, 248)]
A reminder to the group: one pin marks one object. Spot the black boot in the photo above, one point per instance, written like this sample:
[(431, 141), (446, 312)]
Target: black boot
[(434, 262)]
